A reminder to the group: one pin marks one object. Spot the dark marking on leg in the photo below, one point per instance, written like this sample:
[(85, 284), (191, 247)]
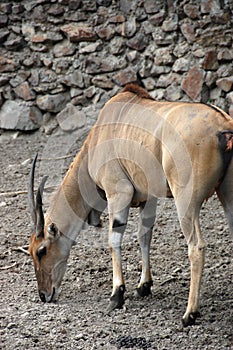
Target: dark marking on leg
[(94, 218), (117, 299), (145, 289), (117, 223), (191, 319), (101, 193)]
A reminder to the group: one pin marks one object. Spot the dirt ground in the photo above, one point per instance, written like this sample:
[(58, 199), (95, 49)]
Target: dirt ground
[(78, 320)]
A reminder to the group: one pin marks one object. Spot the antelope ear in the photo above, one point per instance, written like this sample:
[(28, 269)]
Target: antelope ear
[(53, 230)]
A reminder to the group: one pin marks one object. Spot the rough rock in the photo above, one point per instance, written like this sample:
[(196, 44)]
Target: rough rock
[(65, 48), (215, 94), (191, 10), (3, 34), (162, 38), (56, 10), (102, 82), (231, 110), (210, 78), (51, 37), (170, 24), (87, 50), (210, 6), (188, 32), (167, 79), (149, 83), (6, 8), (77, 33), (181, 49), (173, 92), (7, 65), (126, 76), (71, 118), (230, 98), (225, 84), (3, 20), (210, 60), (181, 65), (52, 103), (127, 29), (25, 92), (225, 54), (139, 42), (157, 71), (163, 57), (192, 83), (103, 65), (74, 4), (152, 7), (198, 52), (13, 42), (225, 71), (105, 33), (158, 18), (118, 46), (19, 79), (93, 47), (15, 115), (74, 79)]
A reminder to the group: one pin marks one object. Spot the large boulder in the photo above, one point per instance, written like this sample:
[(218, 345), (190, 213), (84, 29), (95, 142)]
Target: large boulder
[(53, 103), (18, 115), (71, 118)]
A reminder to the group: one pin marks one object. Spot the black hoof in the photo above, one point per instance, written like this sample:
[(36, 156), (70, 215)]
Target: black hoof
[(117, 299), (190, 321), (145, 289)]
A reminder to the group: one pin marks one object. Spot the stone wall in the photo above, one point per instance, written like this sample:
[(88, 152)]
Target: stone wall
[(60, 60)]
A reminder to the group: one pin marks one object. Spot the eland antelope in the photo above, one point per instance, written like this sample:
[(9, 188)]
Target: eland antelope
[(138, 150)]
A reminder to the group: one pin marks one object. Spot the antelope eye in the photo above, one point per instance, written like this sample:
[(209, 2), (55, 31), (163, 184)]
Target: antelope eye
[(52, 230), (41, 252)]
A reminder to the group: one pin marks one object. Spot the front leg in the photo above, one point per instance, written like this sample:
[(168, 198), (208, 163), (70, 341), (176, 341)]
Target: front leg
[(115, 240)]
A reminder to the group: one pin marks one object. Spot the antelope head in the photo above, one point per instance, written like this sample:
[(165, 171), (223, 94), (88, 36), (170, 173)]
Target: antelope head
[(49, 248)]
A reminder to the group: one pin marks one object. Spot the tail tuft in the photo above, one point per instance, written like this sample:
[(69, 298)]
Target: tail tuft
[(225, 140)]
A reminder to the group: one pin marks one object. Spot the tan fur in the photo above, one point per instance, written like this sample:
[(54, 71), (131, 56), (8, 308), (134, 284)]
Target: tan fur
[(140, 150)]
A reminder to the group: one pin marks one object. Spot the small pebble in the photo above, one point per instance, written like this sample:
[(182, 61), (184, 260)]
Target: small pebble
[(132, 342)]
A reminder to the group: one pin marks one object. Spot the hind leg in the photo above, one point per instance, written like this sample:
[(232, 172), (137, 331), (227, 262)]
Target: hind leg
[(94, 218), (196, 252), (225, 195), (146, 223)]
